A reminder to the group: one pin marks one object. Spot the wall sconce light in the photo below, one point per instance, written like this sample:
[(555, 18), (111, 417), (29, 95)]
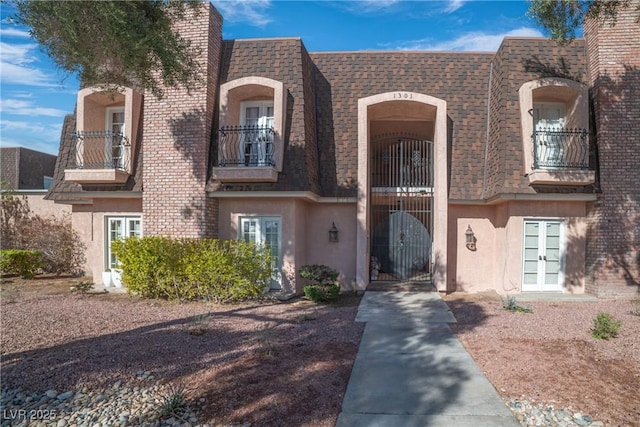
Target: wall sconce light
[(470, 238), (333, 233)]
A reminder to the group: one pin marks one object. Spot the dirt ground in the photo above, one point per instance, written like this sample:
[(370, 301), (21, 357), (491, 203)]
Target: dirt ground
[(550, 357), (259, 363), (264, 363)]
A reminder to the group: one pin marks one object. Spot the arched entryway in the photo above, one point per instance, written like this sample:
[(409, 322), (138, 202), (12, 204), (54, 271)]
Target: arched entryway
[(402, 188)]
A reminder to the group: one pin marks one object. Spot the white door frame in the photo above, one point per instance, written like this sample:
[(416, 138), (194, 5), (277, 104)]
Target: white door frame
[(260, 238), (543, 251), (127, 231)]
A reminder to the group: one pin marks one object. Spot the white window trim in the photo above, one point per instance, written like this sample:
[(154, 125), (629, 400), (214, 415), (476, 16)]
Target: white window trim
[(563, 249), (578, 108), (107, 239), (262, 218), (279, 108), (262, 105), (108, 122)]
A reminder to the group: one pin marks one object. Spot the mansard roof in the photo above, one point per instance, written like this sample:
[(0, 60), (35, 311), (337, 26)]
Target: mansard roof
[(323, 88)]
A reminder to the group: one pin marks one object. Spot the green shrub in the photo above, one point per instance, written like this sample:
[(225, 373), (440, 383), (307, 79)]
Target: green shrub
[(188, 269), (322, 293), (510, 304), (321, 274), (325, 288), (23, 262), (604, 327), (82, 287)]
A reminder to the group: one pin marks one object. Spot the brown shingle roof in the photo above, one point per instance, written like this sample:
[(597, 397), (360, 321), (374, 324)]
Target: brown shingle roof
[(461, 79)]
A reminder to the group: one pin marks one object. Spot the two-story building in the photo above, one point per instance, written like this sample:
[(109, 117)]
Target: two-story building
[(473, 171)]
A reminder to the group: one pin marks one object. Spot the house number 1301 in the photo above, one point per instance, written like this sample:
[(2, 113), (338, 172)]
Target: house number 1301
[(402, 95)]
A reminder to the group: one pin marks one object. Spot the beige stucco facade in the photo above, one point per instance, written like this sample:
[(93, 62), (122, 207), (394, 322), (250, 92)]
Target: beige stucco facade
[(305, 222), (497, 261), (89, 220), (410, 107), (40, 206)]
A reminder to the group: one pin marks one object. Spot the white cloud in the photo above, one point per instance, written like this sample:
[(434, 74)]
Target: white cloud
[(36, 136), (453, 5), (372, 5), (16, 74), (252, 12), (18, 54), (474, 41), (21, 107), (13, 32), (18, 63)]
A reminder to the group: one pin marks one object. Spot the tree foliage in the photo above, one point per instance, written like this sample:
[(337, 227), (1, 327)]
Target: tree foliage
[(561, 18), (115, 43)]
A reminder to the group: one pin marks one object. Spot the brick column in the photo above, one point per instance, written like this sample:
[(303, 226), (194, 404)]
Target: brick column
[(613, 239), (177, 136)]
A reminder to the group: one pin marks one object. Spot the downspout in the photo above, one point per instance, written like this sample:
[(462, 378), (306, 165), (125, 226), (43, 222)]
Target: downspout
[(486, 144), (314, 71)]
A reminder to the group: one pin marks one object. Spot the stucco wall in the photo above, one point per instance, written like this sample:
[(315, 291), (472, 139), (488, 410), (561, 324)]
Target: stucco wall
[(305, 238), (496, 264), (89, 221), (340, 255), (40, 206), (232, 209)]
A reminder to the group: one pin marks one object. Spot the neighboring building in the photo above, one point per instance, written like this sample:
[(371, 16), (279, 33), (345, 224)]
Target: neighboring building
[(25, 169), (29, 174), (476, 171)]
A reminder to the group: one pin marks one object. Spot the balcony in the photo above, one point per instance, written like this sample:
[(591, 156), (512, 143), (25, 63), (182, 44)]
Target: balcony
[(561, 157), (100, 157), (246, 154)]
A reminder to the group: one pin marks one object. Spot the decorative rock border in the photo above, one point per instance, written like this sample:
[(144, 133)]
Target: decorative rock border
[(117, 405), (530, 414)]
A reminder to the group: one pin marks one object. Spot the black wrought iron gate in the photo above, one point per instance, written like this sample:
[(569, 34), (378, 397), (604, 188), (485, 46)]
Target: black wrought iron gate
[(401, 207)]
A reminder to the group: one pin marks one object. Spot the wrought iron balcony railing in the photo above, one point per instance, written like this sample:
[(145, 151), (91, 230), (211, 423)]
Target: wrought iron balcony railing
[(101, 150), (560, 149), (246, 146)]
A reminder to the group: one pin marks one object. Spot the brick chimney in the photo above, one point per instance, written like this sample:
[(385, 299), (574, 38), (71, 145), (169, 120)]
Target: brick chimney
[(177, 136), (613, 242)]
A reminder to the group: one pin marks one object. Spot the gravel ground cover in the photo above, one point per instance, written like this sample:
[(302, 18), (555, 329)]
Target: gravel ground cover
[(276, 364), (267, 363), (548, 358)]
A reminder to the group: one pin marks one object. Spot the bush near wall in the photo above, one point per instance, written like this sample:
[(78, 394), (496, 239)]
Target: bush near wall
[(59, 244), (23, 262), (189, 269)]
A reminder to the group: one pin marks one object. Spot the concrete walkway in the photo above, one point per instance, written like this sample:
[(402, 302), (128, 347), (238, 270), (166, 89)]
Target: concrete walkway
[(412, 371)]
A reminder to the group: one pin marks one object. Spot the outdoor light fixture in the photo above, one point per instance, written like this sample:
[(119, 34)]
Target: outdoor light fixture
[(333, 233), (471, 238)]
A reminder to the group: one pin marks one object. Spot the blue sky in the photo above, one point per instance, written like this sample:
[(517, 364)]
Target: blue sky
[(35, 96)]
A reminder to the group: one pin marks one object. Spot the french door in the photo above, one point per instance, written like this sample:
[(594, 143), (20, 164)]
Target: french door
[(258, 116), (550, 122), (119, 228), (266, 231), (543, 256), (114, 142)]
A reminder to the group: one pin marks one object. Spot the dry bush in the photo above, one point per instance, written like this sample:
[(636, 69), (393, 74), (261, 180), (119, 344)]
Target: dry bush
[(60, 245)]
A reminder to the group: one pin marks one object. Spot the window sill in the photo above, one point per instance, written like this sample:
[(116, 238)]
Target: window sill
[(245, 174), (569, 177)]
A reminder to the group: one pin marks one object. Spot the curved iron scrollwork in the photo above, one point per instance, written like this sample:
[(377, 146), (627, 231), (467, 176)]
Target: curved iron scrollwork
[(560, 148), (246, 146), (101, 150)]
